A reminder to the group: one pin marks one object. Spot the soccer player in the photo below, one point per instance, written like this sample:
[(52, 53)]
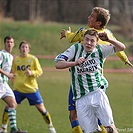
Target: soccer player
[(86, 64), (98, 19), (6, 93), (27, 68)]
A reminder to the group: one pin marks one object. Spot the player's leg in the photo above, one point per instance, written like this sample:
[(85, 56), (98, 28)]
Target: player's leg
[(5, 120), (10, 111), (74, 122), (36, 100), (104, 88), (46, 116), (72, 114), (103, 129), (104, 113), (86, 114), (3, 129), (12, 114)]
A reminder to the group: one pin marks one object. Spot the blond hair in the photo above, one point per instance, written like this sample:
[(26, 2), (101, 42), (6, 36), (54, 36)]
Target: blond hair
[(103, 15)]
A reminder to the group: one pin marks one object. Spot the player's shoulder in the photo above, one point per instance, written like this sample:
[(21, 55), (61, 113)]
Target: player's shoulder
[(104, 47), (16, 58), (32, 56), (108, 31), (82, 30), (77, 46), (5, 53), (1, 51)]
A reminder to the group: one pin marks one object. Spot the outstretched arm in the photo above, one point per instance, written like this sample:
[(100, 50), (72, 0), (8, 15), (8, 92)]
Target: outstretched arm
[(120, 53), (119, 46), (124, 58), (73, 37), (63, 32), (9, 75), (65, 64)]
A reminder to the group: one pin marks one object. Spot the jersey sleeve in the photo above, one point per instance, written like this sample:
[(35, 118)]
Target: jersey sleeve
[(122, 55), (67, 55), (1, 60), (13, 66), (107, 50), (37, 71), (77, 36)]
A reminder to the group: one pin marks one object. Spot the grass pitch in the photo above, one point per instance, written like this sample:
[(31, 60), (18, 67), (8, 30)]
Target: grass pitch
[(54, 88)]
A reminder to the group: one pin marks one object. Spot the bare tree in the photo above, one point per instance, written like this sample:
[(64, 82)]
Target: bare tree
[(125, 19), (32, 10), (38, 9), (60, 17)]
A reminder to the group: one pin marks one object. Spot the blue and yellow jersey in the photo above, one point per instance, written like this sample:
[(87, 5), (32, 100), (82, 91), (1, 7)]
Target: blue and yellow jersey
[(77, 36), (23, 83)]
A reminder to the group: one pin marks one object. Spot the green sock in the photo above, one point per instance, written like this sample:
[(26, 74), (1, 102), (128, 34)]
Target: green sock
[(12, 118)]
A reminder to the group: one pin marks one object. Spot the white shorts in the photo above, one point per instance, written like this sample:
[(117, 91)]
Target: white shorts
[(92, 106), (5, 90)]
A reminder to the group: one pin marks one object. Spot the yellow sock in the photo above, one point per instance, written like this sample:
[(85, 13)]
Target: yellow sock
[(47, 118), (5, 119), (77, 129), (103, 129)]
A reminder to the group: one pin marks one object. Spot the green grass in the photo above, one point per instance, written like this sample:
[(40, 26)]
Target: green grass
[(120, 95), (54, 88), (45, 37)]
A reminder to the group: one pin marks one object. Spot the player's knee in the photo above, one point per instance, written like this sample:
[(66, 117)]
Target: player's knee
[(109, 129), (12, 104)]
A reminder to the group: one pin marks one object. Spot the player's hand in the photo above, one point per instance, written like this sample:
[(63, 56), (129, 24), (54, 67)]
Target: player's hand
[(80, 61), (129, 63), (103, 36), (11, 75), (63, 32), (28, 72)]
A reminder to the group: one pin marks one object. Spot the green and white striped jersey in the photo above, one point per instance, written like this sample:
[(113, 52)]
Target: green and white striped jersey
[(87, 77), (5, 64)]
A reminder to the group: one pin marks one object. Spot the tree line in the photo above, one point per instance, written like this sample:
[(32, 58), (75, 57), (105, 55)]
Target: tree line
[(68, 11)]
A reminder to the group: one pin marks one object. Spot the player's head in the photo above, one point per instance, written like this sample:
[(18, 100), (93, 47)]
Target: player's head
[(24, 48), (90, 40), (98, 18), (8, 43)]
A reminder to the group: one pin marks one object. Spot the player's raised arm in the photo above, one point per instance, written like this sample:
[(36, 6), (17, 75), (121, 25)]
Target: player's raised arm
[(73, 37), (63, 32), (119, 46)]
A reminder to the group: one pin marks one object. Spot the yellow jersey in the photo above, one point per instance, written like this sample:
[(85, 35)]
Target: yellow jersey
[(77, 36), (23, 83)]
